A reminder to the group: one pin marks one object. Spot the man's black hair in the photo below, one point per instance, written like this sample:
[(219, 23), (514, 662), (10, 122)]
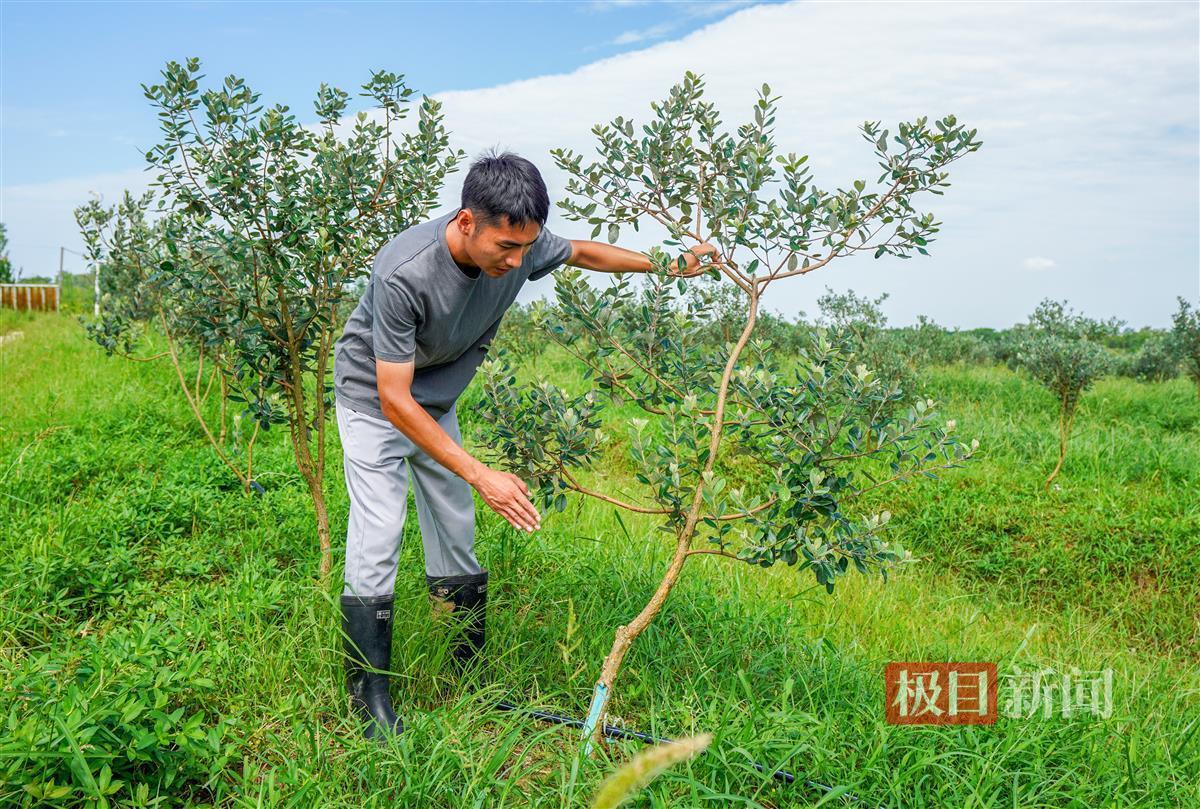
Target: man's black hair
[(505, 185)]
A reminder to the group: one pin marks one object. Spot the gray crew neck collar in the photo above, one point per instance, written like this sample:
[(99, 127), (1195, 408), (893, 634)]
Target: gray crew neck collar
[(444, 256)]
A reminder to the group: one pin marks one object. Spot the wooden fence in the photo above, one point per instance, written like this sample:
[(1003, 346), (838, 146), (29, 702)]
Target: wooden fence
[(43, 297)]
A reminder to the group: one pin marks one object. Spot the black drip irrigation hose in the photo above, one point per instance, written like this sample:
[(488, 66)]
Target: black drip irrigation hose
[(621, 733)]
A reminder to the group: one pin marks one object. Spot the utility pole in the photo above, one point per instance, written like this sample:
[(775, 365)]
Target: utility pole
[(62, 251)]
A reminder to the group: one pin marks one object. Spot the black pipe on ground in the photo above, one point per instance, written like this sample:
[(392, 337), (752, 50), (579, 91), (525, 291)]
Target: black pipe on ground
[(622, 733)]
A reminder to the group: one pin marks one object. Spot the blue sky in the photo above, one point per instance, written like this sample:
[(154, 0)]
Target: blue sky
[(1087, 187), (72, 71)]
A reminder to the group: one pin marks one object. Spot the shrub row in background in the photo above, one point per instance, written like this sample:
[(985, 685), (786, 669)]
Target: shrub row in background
[(1145, 354)]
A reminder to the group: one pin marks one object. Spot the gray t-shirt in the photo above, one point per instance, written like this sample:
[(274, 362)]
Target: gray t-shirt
[(419, 305)]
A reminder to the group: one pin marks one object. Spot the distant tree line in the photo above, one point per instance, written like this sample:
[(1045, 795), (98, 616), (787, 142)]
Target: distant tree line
[(1146, 354)]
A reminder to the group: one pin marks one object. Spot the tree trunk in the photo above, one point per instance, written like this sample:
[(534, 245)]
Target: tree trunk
[(626, 635), (224, 398), (314, 478), (298, 425), (194, 403), (1064, 430), (318, 497)]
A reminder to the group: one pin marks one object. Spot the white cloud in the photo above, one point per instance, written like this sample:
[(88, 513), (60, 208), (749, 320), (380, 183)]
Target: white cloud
[(682, 12), (711, 9), (1038, 263), (653, 32), (1086, 113)]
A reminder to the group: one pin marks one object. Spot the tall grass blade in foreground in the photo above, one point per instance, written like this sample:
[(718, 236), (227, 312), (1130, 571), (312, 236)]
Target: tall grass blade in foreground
[(645, 767)]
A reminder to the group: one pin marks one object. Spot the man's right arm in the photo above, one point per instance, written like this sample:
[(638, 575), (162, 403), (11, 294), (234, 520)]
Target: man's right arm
[(504, 492)]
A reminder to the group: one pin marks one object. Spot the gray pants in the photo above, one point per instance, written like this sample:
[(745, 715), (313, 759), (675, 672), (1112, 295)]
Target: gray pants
[(378, 460)]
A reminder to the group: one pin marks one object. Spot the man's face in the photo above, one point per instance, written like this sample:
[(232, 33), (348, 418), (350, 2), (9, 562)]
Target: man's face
[(498, 248)]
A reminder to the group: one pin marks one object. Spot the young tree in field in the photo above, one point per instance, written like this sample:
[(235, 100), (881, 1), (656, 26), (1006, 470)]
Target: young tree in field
[(137, 295), (519, 335), (1059, 352), (291, 216), (6, 272), (1157, 360), (926, 343), (1186, 336), (863, 320), (745, 454)]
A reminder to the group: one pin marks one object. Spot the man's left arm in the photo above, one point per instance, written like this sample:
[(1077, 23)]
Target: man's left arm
[(602, 257)]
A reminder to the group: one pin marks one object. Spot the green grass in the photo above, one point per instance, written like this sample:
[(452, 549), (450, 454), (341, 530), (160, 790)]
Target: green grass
[(142, 591), (1119, 532), (12, 320)]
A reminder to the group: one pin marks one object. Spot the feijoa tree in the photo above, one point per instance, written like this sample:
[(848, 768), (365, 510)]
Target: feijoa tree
[(519, 334), (1059, 349), (1186, 338), (138, 297), (6, 272), (1157, 360), (744, 453), (884, 351), (296, 213)]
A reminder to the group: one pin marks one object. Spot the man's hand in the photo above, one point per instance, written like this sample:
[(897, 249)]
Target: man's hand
[(507, 495), (692, 256), (610, 258)]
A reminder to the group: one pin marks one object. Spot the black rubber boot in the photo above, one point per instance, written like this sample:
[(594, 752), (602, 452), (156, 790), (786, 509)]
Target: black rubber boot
[(367, 624), (466, 598)]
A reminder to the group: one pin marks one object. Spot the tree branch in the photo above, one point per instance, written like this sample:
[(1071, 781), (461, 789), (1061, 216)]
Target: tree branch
[(627, 506)]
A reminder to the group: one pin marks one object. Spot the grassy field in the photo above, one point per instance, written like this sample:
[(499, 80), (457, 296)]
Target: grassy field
[(165, 638)]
